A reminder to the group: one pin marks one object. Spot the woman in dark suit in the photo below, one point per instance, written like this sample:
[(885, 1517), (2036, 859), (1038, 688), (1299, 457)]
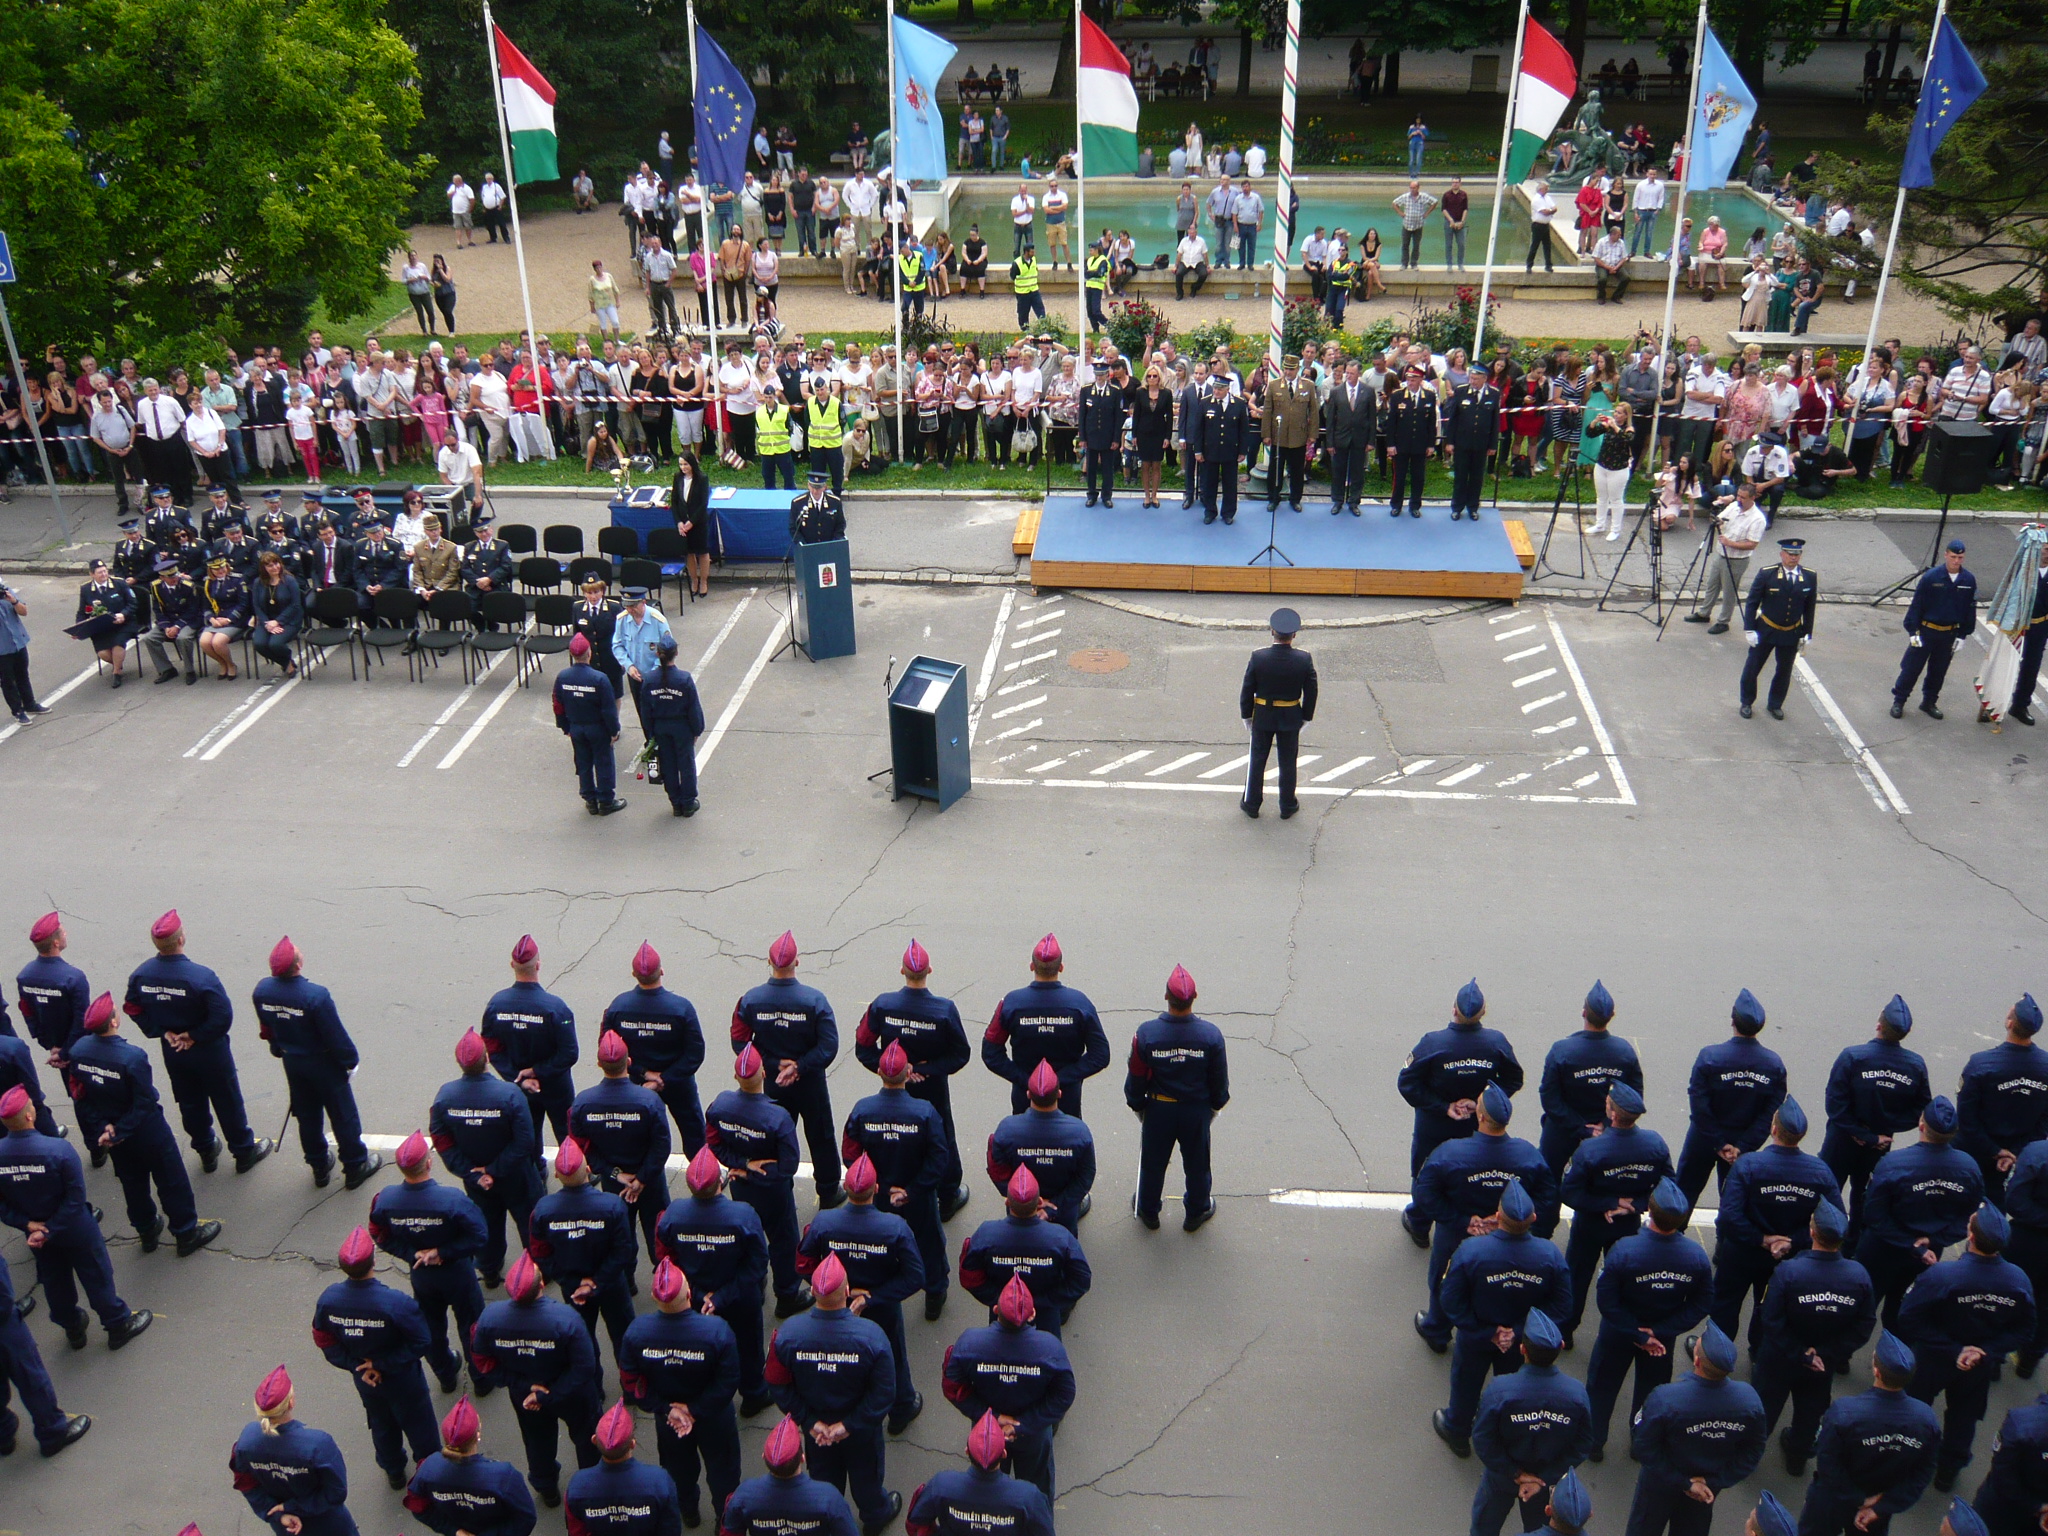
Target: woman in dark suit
[(1151, 426), (102, 598), (689, 498), (278, 612)]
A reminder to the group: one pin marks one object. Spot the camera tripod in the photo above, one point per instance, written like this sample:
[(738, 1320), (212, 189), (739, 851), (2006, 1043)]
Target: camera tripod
[(1572, 480), (1701, 559), (1652, 608)]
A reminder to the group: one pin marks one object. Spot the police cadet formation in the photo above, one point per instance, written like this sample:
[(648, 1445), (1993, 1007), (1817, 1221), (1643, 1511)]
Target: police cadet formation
[(833, 1366), (1930, 1248)]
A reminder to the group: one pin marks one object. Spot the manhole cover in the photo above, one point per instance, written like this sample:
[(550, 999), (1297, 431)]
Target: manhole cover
[(1098, 661)]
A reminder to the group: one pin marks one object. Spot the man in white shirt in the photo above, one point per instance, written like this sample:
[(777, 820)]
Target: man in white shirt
[(1248, 212), (1739, 529), (492, 398), (2030, 347), (1648, 201), (861, 201), (461, 199), (1610, 262), (165, 458), (1255, 162), (1541, 212), (1767, 468), (1839, 219), (751, 224), (1706, 391), (1023, 208), (1315, 261), (1222, 203), (461, 465), (492, 197), (1967, 389), (1191, 257)]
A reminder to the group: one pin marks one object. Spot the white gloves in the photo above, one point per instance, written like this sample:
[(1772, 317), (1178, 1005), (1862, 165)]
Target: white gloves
[(1914, 640), (1750, 636)]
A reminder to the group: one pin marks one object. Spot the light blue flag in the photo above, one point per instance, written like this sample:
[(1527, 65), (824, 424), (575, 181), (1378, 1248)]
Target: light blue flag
[(920, 147), (1726, 108)]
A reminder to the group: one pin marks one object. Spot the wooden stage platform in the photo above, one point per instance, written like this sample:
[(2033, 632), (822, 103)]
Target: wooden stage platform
[(1169, 549)]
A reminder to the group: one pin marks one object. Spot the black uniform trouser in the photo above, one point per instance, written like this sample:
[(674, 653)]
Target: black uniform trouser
[(1615, 1354), (1446, 1237), (1219, 477), (1474, 1357), (445, 1289), (936, 1090), (2031, 648), (2029, 1250), (1933, 653), (1778, 1375), (577, 1412), (1031, 1459), (745, 1322), (1661, 1504), (151, 1154), (1029, 304), (1831, 1509), (679, 1093), (401, 1413), (75, 1255), (1741, 1271), (775, 1204), (204, 1083), (597, 772), (609, 1302), (1292, 463), (22, 1369), (809, 1102), (320, 1094), (1468, 478), (1969, 1393), (1699, 1156), (676, 752), (1429, 1134), (715, 1442), (1592, 1235), (1264, 740), (1095, 320), (496, 1205), (1099, 465), (1496, 1495), (1557, 1145), (1851, 1162), (646, 1211), (1770, 645), (1167, 1124), (550, 1110), (888, 1316), (1894, 1269), (921, 1212), (1347, 473), (859, 1459), (1410, 470)]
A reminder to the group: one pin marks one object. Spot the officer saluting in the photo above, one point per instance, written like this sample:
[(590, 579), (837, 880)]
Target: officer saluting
[(816, 517), (1443, 1079), (1278, 698), (1177, 1082), (1942, 615), (1777, 621), (587, 710)]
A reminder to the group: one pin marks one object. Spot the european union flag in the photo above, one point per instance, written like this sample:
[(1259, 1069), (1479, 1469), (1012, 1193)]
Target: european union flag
[(1953, 82), (724, 109)]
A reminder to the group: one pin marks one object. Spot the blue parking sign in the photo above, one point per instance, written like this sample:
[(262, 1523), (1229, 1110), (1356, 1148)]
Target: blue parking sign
[(6, 260)]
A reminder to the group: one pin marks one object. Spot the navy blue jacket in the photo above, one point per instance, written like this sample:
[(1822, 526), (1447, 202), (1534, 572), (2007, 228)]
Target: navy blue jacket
[(1045, 1021), (54, 996), (718, 1245), (1019, 1372), (1878, 1441), (1537, 1420), (787, 1506), (526, 1026), (471, 1493), (1772, 1192), (1183, 1059), (1656, 1282), (1927, 1191), (742, 1128), (660, 1028), (1057, 1147), (483, 1122), (521, 1345), (624, 1129), (925, 1024), (1820, 1301), (298, 1467), (880, 1255), (2018, 1478), (976, 1502), (785, 1020), (1621, 1163), (18, 1068), (1464, 1178), (1046, 1254), (168, 993), (358, 1320), (904, 1137), (669, 695), (2002, 1105), (41, 1180), (298, 1018), (584, 701), (1969, 1300), (628, 1497), (1453, 1063), (406, 1219), (1945, 604), (686, 1359), (1492, 1282), (831, 1368), (582, 1233), (1735, 1089), (1693, 1427), (111, 1085), (1577, 1073), (1877, 1089), (2026, 1189)]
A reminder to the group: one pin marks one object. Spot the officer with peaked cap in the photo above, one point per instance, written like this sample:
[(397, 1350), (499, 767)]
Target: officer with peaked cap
[(22, 1369), (1766, 1210), (1023, 1242), (1735, 1088), (587, 712), (540, 1352), (982, 1497), (582, 1239), (1492, 1285), (1695, 1438), (481, 1126), (1443, 1078), (1921, 1199), (298, 1019), (1941, 616), (1019, 1373), (459, 1489), (1057, 1147), (2002, 1104), (755, 1139), (1532, 1427), (1045, 1020), (883, 1267), (928, 1028), (1177, 1082), (624, 1132), (1277, 699), (438, 1232), (832, 1371), (1608, 1185), (377, 1334), (1777, 621), (1876, 1450), (622, 1493), (718, 1244), (531, 1035), (1875, 1091), (682, 1366), (1656, 1286), (664, 1043), (794, 1029), (1577, 1072), (905, 1142), (788, 1499), (285, 1468), (1818, 1312)]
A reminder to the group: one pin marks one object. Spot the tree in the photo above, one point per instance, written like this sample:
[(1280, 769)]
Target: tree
[(173, 175), (1754, 35)]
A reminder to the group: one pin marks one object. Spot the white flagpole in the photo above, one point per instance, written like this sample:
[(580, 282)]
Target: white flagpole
[(1500, 185), (895, 239), (543, 382), (1283, 216), (1692, 105), (1080, 230), (711, 290)]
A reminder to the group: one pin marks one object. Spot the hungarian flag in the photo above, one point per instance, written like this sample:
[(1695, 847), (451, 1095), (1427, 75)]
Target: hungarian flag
[(1109, 107), (529, 112), (1544, 88)]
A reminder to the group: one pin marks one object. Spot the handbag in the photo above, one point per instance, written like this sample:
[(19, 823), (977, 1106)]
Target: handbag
[(1024, 441)]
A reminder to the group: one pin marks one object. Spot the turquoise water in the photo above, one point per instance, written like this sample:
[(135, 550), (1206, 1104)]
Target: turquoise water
[(1148, 215)]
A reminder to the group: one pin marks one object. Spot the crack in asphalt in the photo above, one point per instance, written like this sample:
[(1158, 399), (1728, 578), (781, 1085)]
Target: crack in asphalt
[(908, 817), (1165, 1429), (1958, 859)]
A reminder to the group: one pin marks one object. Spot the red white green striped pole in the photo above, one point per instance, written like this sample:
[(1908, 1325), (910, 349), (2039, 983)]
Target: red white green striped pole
[(1283, 213), (1500, 187)]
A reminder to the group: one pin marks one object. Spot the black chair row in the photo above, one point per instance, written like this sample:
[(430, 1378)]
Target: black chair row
[(554, 539), (473, 629), (618, 557)]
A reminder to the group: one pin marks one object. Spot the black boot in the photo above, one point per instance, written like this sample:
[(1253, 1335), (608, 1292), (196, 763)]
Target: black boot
[(191, 1242), (356, 1178), (133, 1326), (209, 1156), (261, 1148)]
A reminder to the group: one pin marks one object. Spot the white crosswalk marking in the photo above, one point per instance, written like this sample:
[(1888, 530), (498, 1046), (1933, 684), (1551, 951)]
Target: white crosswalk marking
[(1049, 763), (1037, 619), (1019, 730), (1414, 768), (1222, 768), (1116, 763), (1534, 650), (1018, 645), (1545, 702), (1460, 776), (1018, 708), (1551, 730), (1178, 762), (1340, 770), (1021, 684), (1588, 779), (1025, 661), (1535, 677), (1509, 634)]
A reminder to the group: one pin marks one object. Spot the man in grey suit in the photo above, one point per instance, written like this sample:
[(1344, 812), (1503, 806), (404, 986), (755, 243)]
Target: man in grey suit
[(1190, 417), (1348, 417)]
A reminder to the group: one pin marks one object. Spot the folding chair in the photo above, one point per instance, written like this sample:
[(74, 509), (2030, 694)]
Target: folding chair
[(506, 612), (562, 539), (395, 617), (332, 622), (554, 626), (454, 615)]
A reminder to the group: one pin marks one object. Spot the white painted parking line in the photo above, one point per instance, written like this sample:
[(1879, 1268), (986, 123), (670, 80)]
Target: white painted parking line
[(1178, 762), (1042, 767), (1040, 618), (1571, 663), (1545, 702), (1509, 634), (1591, 778), (1534, 677), (1378, 1200), (1534, 650), (306, 669), (449, 713), (478, 726), (1019, 730), (1340, 770), (1883, 792), (1025, 661), (1021, 684), (229, 719), (1572, 756), (1502, 618), (724, 629), (988, 662), (1514, 778), (1460, 776), (1126, 759), (732, 707), (51, 698), (1222, 768), (1551, 730), (1415, 767), (1018, 645), (1019, 707)]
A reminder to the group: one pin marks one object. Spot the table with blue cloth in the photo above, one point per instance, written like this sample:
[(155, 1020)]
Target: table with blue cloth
[(748, 527)]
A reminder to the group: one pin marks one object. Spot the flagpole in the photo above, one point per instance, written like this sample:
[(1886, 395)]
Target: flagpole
[(895, 246), (1500, 183), (533, 362), (1283, 216), (1692, 104), (711, 288), (1080, 230)]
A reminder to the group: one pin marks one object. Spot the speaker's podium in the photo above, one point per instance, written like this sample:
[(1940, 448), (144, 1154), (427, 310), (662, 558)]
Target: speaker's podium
[(928, 731), (824, 599)]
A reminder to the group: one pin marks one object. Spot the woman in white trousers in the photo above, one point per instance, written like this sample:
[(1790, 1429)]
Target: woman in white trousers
[(1611, 468)]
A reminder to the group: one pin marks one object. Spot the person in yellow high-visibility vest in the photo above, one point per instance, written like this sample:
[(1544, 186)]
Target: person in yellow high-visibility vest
[(911, 278), (1098, 279), (1024, 282), (825, 430), (771, 438)]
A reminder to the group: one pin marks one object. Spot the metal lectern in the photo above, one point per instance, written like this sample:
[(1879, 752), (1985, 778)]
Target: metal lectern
[(928, 731)]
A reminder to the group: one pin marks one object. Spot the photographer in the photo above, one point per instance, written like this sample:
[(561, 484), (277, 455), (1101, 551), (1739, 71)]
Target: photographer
[(1615, 430), (1739, 527)]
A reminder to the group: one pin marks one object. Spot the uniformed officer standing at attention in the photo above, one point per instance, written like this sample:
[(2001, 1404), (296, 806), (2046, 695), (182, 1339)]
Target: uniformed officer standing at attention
[(1443, 1079), (1412, 432), (587, 710), (438, 1232), (622, 1493), (1875, 1090), (2002, 1105), (53, 994), (675, 719), (1057, 1147), (664, 1043), (1920, 1201), (539, 1351), (1101, 429), (1471, 431), (787, 1500), (1177, 1082), (298, 1019), (928, 1028), (531, 1035), (287, 1469), (459, 1489), (624, 1132), (483, 1129), (1532, 1427), (1734, 1090), (1609, 1184), (185, 1008), (1023, 1242), (1577, 1072), (718, 1244), (1942, 615), (22, 1368), (1777, 621), (1767, 1206), (755, 1139), (794, 1029), (2013, 1498), (378, 1336), (1695, 1438), (1819, 1311), (981, 1498), (817, 516), (1656, 1286), (832, 1372), (682, 1367), (1219, 438), (905, 1143), (582, 1239), (1019, 1374), (1277, 698), (1570, 1507), (18, 1070), (1876, 1451), (1045, 1020), (883, 1267)]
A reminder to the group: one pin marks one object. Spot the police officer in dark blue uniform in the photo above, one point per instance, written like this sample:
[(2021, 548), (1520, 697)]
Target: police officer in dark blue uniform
[(1941, 616), (1020, 1374), (1876, 1451), (1608, 1185), (755, 1139), (928, 1028), (788, 1500), (674, 717), (1734, 1090), (1177, 1082), (2026, 1206), (832, 1371), (1777, 621), (797, 1034), (682, 1367), (540, 1352), (880, 1255), (1046, 1020), (582, 1239), (622, 1493), (1493, 1283), (664, 1043), (1819, 1310), (718, 1244), (1022, 1241), (185, 1008), (1875, 1090), (624, 1132), (1057, 1147), (587, 710), (283, 1467), (483, 1129), (1412, 431), (1219, 437), (2033, 641), (982, 1497), (2002, 1105), (53, 995), (438, 1232), (378, 1336), (487, 563), (106, 618), (1577, 1072), (299, 1021), (1443, 1078), (1656, 1285), (1103, 407), (18, 1070), (1766, 1209), (1458, 1191), (22, 1370), (905, 1144), (1472, 432), (1277, 698), (458, 1488), (2013, 1498), (531, 1035), (1920, 1201), (1531, 1428), (1695, 1438), (118, 1109), (380, 567)]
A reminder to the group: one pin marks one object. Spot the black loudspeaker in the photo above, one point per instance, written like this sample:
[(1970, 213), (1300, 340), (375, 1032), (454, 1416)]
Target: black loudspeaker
[(1958, 458)]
